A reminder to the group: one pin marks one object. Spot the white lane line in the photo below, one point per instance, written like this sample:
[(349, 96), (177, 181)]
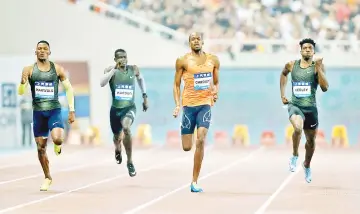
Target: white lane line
[(35, 162), (263, 207), (227, 167), (82, 166), (158, 166)]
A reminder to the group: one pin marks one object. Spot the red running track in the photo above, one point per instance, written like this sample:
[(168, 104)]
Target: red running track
[(235, 180)]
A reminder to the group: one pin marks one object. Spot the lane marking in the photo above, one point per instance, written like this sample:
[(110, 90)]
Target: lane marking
[(82, 166), (187, 185), (263, 207), (158, 166)]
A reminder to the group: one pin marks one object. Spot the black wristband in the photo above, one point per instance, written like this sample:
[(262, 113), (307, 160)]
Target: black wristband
[(144, 95)]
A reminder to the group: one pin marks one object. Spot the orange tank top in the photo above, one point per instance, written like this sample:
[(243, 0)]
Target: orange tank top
[(198, 84)]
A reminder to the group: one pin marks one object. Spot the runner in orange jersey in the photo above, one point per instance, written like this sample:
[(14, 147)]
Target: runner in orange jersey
[(200, 72)]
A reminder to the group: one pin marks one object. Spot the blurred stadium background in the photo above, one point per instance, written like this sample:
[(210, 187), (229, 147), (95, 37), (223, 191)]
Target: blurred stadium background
[(253, 39)]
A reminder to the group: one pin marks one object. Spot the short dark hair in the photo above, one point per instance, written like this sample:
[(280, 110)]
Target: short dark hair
[(307, 40), (119, 50), (43, 41)]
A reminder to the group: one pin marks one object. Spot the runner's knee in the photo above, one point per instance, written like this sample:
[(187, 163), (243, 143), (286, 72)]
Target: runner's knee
[(297, 129), (116, 137), (187, 142), (127, 131), (41, 147), (126, 122), (200, 142), (296, 118), (310, 144), (297, 123), (58, 140), (201, 136), (186, 148)]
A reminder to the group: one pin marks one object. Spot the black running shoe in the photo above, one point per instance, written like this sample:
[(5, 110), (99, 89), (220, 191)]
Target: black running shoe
[(118, 157), (131, 169)]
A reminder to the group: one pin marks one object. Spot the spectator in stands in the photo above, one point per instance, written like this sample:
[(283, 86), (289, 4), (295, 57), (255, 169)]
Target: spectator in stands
[(249, 20)]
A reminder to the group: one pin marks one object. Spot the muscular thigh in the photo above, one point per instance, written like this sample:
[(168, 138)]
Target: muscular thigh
[(119, 116), (40, 124), (203, 121), (311, 119), (55, 119), (188, 121), (115, 120), (187, 141), (127, 116), (203, 118), (310, 134), (188, 124), (295, 110)]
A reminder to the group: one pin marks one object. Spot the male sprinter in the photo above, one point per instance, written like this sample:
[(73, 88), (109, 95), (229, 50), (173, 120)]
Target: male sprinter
[(121, 79), (44, 77), (200, 71), (306, 75)]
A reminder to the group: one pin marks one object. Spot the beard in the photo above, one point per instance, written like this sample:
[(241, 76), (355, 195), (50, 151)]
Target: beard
[(197, 49), (307, 58), (42, 60)]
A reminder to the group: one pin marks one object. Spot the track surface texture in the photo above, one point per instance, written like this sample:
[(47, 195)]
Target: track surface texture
[(256, 180)]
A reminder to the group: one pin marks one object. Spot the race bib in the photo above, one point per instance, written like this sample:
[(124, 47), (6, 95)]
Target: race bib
[(44, 90), (202, 81), (301, 89), (124, 92)]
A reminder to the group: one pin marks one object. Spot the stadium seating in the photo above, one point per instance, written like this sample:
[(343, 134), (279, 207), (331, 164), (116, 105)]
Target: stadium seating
[(248, 20)]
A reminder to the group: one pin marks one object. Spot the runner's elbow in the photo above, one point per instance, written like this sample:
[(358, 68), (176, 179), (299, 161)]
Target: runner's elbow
[(324, 88), (102, 83)]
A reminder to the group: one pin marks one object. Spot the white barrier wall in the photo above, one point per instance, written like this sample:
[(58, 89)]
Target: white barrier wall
[(10, 118)]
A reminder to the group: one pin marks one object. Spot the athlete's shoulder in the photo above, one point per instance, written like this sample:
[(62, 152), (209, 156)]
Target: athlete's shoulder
[(134, 67), (57, 66), (213, 57), (180, 61), (59, 69), (28, 67), (290, 64), (182, 58)]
